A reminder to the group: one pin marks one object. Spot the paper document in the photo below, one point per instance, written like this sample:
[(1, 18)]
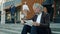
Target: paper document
[(29, 22)]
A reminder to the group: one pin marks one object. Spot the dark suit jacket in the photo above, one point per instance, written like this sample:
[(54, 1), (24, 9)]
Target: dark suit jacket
[(45, 20), (44, 23)]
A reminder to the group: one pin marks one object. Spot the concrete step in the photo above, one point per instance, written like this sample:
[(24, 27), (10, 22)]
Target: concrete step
[(11, 28), (17, 28), (55, 27)]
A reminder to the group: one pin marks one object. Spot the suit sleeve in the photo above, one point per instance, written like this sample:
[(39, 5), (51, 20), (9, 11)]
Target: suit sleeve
[(46, 21)]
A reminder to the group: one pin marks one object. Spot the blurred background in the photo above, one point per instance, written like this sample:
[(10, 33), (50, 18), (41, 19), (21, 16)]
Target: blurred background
[(11, 19)]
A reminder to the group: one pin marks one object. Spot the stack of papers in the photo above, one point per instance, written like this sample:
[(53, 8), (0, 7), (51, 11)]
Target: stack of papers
[(29, 22)]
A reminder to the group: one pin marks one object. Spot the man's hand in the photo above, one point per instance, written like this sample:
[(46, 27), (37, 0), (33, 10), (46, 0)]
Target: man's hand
[(36, 24), (22, 21)]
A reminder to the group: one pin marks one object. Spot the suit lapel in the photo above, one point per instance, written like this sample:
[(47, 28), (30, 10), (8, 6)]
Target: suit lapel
[(42, 18), (35, 18)]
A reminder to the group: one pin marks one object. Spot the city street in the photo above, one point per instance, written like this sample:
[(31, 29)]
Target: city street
[(17, 28)]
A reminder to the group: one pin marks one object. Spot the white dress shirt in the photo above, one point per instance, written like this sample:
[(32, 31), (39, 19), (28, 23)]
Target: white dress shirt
[(39, 18)]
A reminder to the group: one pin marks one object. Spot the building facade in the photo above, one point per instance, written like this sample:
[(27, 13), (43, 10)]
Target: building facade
[(19, 3)]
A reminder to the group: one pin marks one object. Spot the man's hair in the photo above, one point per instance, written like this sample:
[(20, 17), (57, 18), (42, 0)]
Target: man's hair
[(37, 5)]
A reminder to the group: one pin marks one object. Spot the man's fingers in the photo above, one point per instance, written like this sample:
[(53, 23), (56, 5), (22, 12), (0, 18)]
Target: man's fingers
[(36, 24)]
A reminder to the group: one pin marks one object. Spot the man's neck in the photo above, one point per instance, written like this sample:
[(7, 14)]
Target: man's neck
[(38, 13)]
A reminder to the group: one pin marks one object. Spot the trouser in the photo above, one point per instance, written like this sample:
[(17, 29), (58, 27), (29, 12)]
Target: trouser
[(34, 30), (38, 30), (12, 18), (26, 29), (50, 10)]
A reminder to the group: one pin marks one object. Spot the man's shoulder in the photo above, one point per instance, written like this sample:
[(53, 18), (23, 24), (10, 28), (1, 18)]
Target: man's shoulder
[(46, 14)]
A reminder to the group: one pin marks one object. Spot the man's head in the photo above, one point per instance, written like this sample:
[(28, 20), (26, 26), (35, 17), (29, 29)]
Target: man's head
[(45, 9), (37, 8), (24, 3)]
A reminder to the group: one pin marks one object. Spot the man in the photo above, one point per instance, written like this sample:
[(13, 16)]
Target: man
[(12, 10), (48, 4), (26, 28), (40, 21)]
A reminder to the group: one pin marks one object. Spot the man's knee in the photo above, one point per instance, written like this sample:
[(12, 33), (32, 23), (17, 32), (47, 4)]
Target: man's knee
[(33, 30), (26, 29)]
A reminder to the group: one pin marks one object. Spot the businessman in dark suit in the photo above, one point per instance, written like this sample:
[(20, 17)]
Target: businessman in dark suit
[(40, 21)]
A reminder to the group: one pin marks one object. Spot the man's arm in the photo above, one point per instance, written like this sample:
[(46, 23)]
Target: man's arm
[(46, 20)]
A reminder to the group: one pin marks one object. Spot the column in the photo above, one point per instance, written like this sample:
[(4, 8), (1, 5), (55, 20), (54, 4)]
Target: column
[(2, 13)]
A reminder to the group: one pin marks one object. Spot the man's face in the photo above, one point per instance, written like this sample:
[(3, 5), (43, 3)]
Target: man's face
[(45, 9), (36, 10)]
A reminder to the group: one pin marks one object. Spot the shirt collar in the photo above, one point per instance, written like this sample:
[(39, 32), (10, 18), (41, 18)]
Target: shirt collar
[(39, 13)]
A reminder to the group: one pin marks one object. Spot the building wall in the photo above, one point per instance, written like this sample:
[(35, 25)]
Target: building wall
[(8, 3)]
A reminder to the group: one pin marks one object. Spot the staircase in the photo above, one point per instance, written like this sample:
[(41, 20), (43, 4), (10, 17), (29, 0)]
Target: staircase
[(55, 27), (17, 28), (11, 29)]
